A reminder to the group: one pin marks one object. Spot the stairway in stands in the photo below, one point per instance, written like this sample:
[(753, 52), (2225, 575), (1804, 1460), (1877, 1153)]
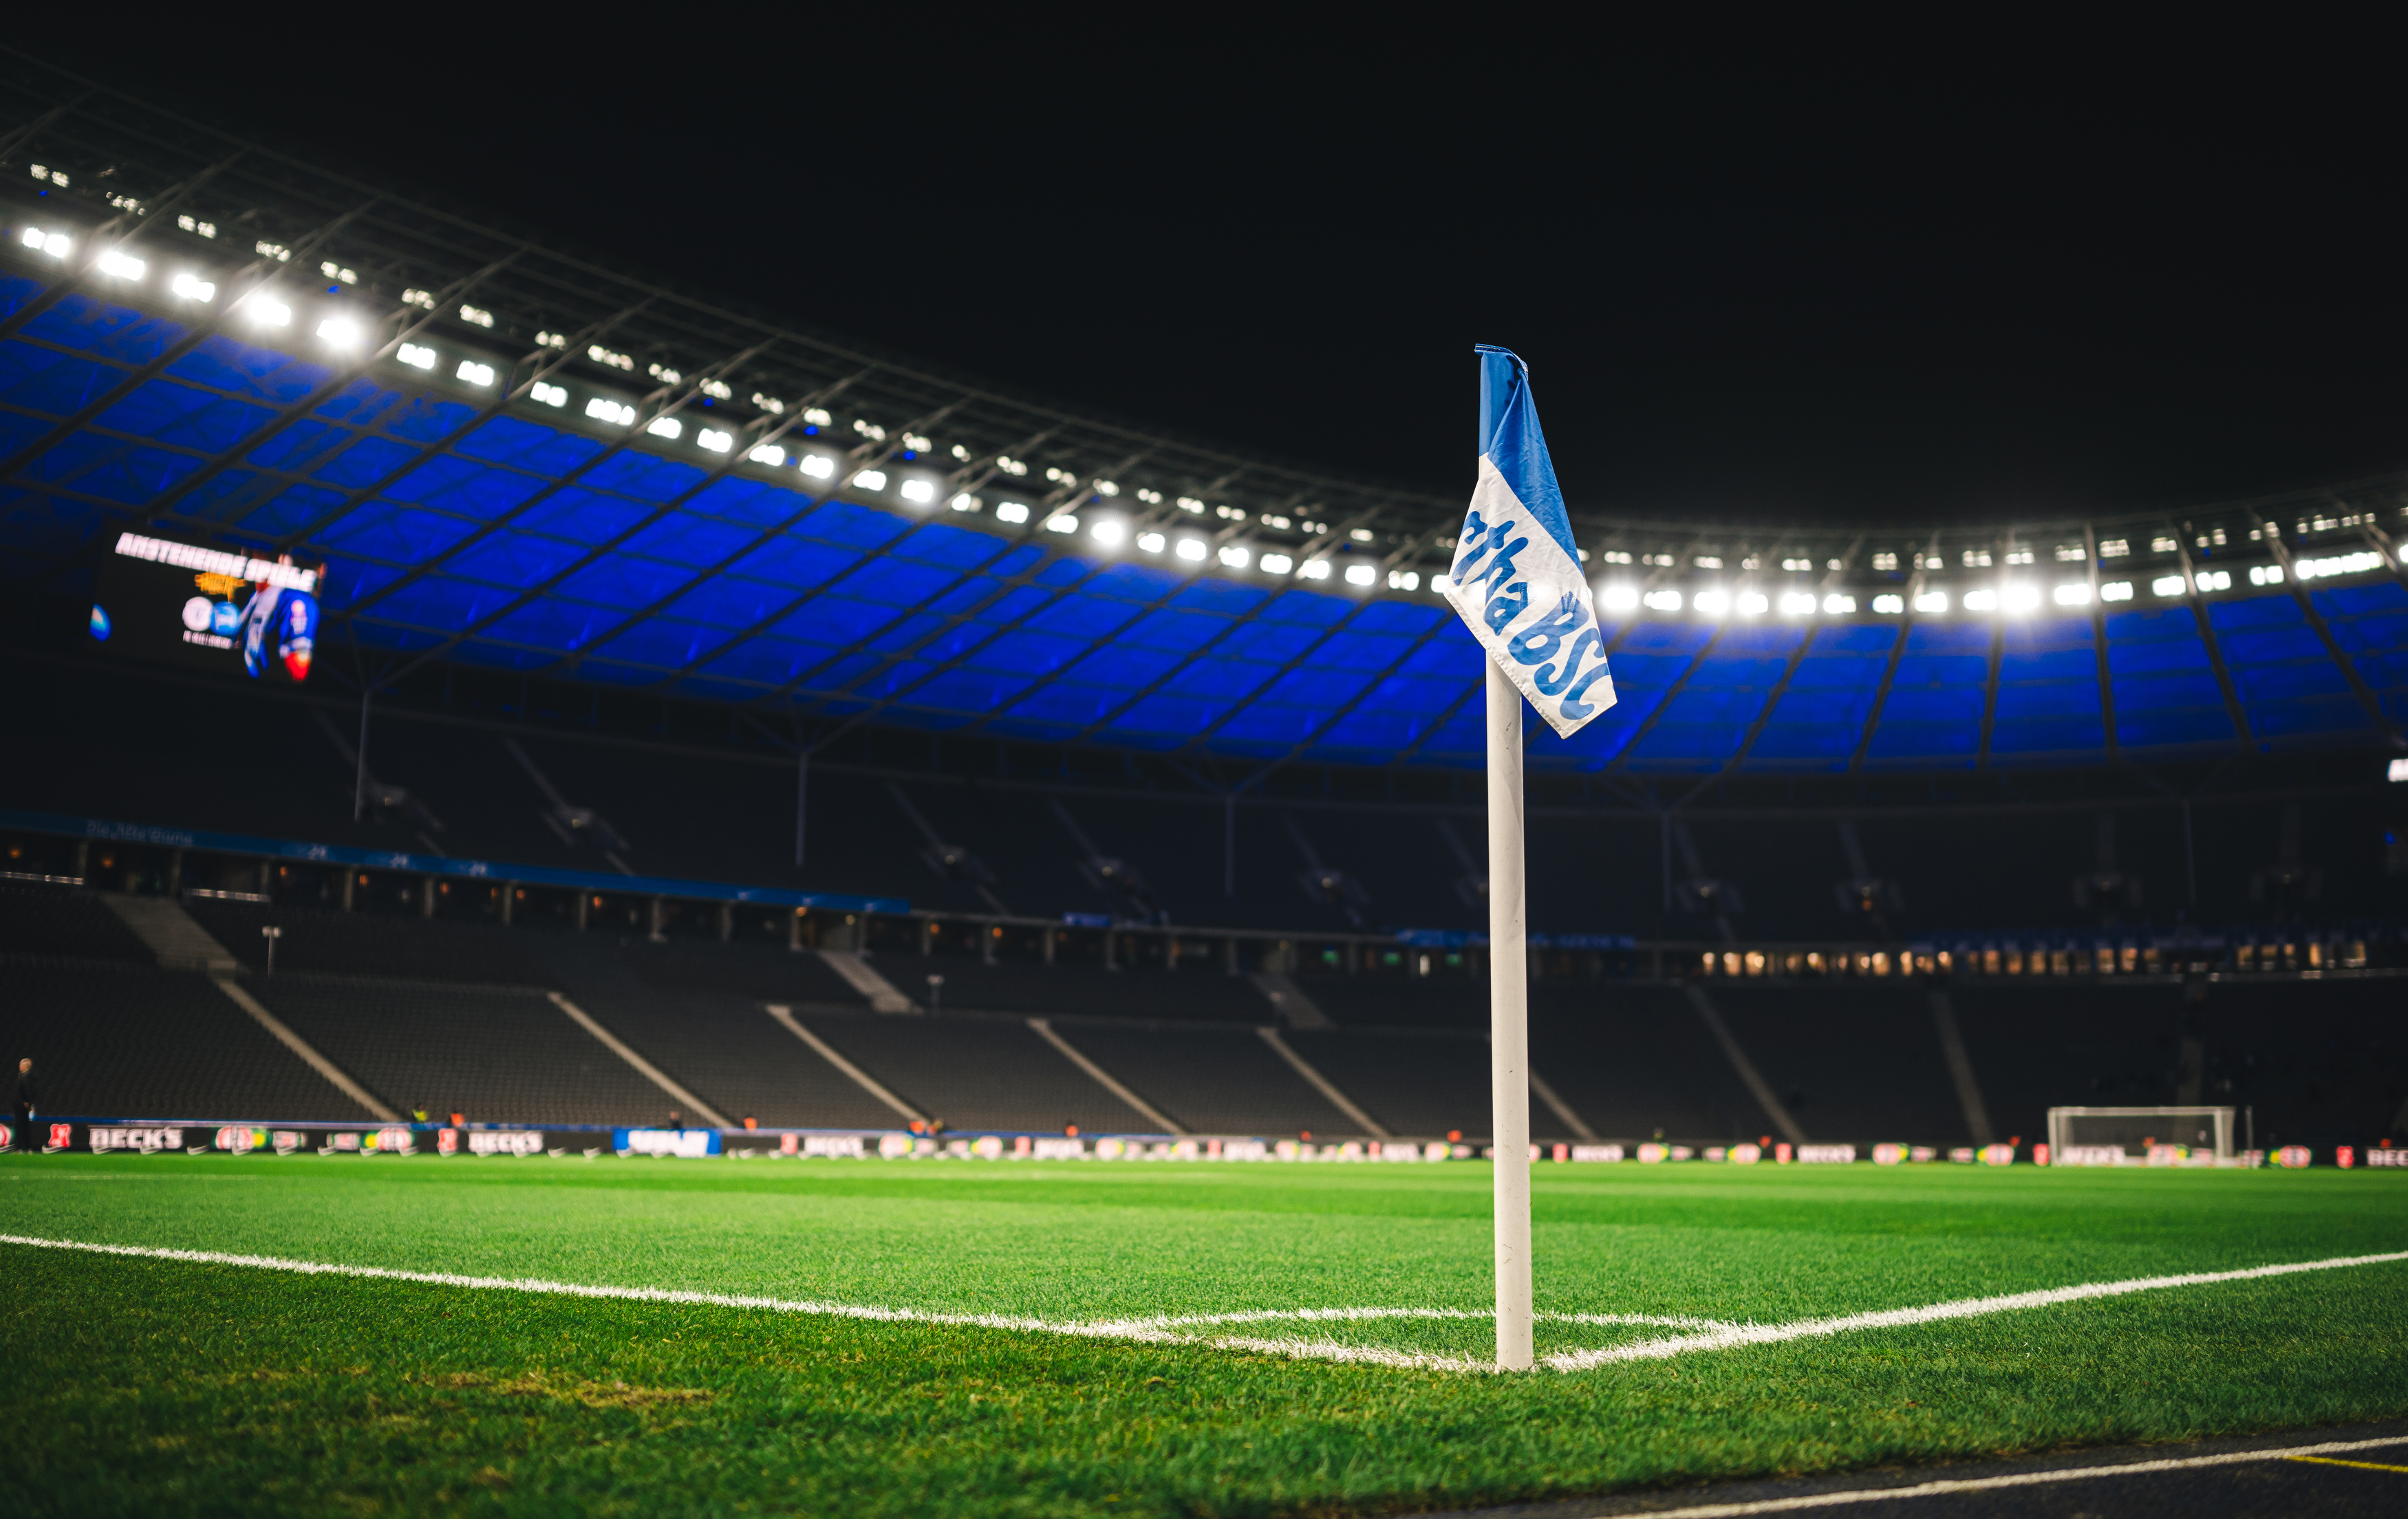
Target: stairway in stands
[(161, 923)]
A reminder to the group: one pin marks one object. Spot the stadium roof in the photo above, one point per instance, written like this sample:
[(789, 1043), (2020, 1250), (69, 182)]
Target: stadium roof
[(519, 459)]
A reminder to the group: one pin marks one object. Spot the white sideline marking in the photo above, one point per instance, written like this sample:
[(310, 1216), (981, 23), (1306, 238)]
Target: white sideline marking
[(1764, 1334), (1705, 1334), (2018, 1479)]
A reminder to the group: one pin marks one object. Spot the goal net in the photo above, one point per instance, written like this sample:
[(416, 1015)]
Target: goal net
[(2119, 1136)]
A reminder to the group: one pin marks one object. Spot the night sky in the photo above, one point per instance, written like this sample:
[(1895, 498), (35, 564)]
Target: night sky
[(1820, 275)]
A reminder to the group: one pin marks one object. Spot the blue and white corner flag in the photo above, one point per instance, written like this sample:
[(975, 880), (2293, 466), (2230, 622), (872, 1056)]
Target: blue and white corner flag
[(1516, 580)]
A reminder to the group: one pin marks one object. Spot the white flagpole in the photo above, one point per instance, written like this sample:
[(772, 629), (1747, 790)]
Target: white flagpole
[(1509, 1022)]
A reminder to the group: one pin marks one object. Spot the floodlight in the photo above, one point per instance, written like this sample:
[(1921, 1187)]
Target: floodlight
[(2399, 769), (1276, 563), (1666, 600), (1835, 602), (1314, 569), (2265, 574), (53, 243), (32, 237), (1191, 548), (1932, 601), (1714, 603), (1237, 556), (1798, 604), (817, 465), (1011, 511), (1617, 595), (766, 453), (2074, 594), (2019, 598), (550, 395), (1109, 530), (416, 356), (340, 331), (716, 440), (965, 502), (603, 409), (668, 427), (1066, 523), (191, 289), (2169, 585), (269, 313), (2346, 564), (870, 480), (1982, 601), (1752, 604), (1404, 580), (2215, 579), (1156, 543), (919, 490), (475, 373), (2115, 590), (121, 266), (1889, 606)]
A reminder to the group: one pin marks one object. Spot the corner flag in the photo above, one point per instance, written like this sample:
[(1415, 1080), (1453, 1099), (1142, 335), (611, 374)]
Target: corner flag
[(1516, 581)]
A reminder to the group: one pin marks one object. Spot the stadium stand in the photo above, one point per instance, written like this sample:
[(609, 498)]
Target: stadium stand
[(1849, 1062), (1210, 1081), (114, 1041), (972, 1073), (63, 920), (1400, 1001), (1635, 1062), (1415, 1085), (355, 944), (496, 1056), (1202, 992), (764, 972), (2099, 1045)]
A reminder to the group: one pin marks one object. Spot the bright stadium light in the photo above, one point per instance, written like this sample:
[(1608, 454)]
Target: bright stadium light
[(766, 453), (2115, 590), (1889, 606), (1276, 563), (268, 311), (1982, 601), (416, 356), (2074, 594), (716, 440), (1237, 556), (2399, 769), (919, 491), (1066, 523), (2169, 585), (1835, 602), (1618, 597), (188, 288), (1666, 600), (2215, 580), (1934, 602), (340, 331), (603, 409), (1110, 532), (53, 243), (1752, 604), (1156, 543), (475, 373), (817, 465), (1191, 550), (1714, 603), (2347, 564), (964, 502), (121, 266), (2019, 598), (669, 427), (1404, 580), (1314, 569), (1798, 604), (2265, 574), (1012, 511), (870, 480), (546, 393)]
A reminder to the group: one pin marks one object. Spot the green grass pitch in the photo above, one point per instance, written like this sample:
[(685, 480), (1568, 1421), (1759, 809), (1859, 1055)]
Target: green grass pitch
[(154, 1386)]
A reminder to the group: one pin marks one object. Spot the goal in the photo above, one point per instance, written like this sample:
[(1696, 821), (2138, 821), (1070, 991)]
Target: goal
[(2113, 1135)]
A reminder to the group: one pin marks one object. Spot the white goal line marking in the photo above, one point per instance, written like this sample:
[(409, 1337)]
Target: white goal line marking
[(2016, 1479), (1703, 1334)]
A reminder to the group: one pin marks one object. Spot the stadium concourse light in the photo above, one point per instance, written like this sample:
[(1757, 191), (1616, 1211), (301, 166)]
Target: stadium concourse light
[(121, 266), (2115, 590), (53, 243), (1985, 600), (340, 331), (1891, 606), (964, 502), (1191, 548), (1066, 523), (1404, 580), (1932, 602), (1798, 603), (2073, 594), (267, 311), (1153, 542), (475, 373), (817, 465), (1711, 602), (1012, 511), (671, 427), (1666, 600), (1752, 604), (2019, 598), (550, 395), (416, 356), (1276, 563), (1835, 602), (186, 286), (1110, 532), (766, 453), (919, 491), (1618, 596), (1237, 556), (1314, 569), (716, 440)]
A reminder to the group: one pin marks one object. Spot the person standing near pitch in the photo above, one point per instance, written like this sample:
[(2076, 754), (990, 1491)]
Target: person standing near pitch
[(1517, 584)]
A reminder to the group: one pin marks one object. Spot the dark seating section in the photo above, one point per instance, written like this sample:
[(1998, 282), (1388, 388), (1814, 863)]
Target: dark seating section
[(125, 1042), (1210, 1081), (1636, 1062), (495, 1056), (362, 944), (1392, 1001), (735, 1056), (768, 972), (2322, 1063), (1418, 1085), (1200, 991), (977, 1072), (2034, 1047), (1851, 1061), (64, 921)]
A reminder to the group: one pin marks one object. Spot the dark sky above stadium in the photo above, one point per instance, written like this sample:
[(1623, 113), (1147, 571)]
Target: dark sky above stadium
[(1835, 273)]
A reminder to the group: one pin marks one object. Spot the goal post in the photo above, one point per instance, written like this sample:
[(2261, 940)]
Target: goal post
[(2111, 1136)]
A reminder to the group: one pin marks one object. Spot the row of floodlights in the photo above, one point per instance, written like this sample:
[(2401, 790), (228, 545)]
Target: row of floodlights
[(261, 307), (2018, 598)]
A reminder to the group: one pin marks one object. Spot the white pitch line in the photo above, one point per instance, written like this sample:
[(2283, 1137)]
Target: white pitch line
[(1705, 1334), (1766, 1334), (2016, 1479)]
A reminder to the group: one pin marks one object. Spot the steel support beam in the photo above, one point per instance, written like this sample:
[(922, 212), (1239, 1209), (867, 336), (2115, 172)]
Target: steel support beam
[(2232, 708), (2273, 533)]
